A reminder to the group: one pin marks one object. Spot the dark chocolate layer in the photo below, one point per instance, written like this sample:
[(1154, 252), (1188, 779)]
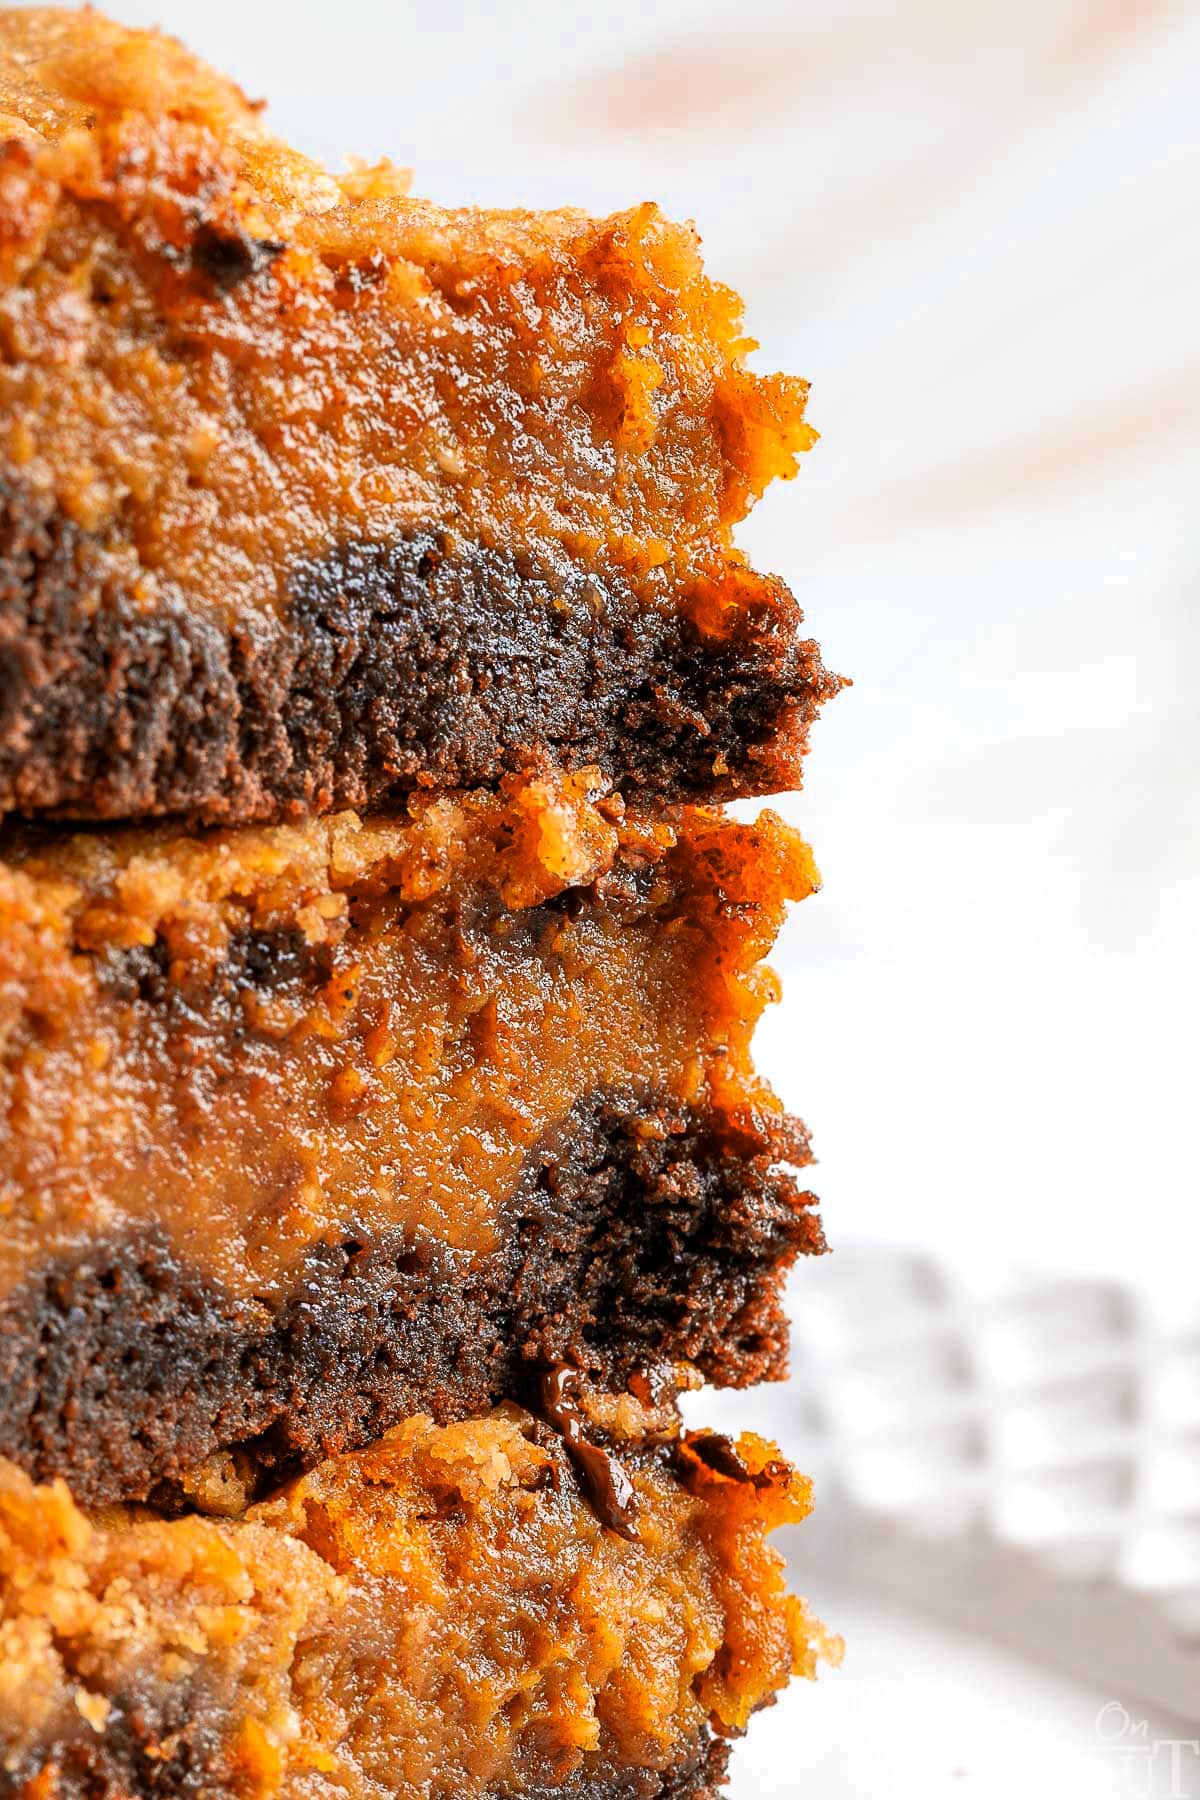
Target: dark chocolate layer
[(633, 1238), (698, 1775), (164, 1743), (395, 665), (169, 1749)]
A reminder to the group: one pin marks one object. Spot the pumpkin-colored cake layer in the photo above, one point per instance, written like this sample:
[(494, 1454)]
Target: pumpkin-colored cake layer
[(440, 1617)]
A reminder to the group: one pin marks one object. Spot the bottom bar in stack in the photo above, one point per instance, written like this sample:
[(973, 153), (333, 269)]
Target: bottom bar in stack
[(489, 1607)]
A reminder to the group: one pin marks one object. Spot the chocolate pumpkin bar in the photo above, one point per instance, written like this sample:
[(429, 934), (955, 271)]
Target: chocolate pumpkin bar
[(312, 493), (308, 1128), (439, 1617)]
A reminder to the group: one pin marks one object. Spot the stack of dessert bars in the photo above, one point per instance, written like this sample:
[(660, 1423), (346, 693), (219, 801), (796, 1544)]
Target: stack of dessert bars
[(381, 1152)]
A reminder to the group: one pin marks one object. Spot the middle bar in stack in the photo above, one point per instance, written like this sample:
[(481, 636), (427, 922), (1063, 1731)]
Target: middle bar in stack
[(313, 1128)]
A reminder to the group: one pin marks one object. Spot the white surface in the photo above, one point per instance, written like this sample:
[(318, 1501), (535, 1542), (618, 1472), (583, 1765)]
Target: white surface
[(922, 1711), (1019, 1454)]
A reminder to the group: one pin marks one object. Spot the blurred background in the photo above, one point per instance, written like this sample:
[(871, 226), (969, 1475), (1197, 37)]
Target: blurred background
[(975, 230)]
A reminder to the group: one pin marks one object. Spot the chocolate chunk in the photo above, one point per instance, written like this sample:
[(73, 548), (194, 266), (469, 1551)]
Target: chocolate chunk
[(721, 1454), (229, 257), (605, 1482)]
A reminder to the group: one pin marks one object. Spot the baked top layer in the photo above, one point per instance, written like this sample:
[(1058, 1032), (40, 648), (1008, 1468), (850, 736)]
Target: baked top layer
[(311, 1127), (440, 1616), (312, 492)]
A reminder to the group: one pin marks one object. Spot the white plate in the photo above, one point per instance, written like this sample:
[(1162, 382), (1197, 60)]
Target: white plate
[(1006, 1532), (924, 1711)]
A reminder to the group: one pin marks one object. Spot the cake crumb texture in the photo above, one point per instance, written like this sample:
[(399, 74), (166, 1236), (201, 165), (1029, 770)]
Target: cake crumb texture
[(313, 492), (441, 1615)]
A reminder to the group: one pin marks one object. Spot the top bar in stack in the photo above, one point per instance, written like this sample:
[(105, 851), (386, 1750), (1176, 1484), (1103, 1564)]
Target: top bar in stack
[(312, 493)]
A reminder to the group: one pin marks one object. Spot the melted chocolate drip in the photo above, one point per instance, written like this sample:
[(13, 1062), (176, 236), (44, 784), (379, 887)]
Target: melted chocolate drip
[(605, 1482), (720, 1454), (231, 257)]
